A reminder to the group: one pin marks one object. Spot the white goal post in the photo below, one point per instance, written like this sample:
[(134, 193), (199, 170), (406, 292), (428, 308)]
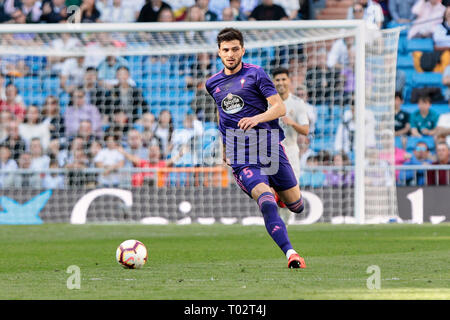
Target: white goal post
[(373, 188)]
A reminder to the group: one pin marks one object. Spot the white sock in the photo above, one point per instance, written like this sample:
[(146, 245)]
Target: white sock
[(289, 252)]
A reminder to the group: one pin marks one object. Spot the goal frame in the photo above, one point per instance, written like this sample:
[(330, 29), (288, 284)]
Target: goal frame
[(357, 28)]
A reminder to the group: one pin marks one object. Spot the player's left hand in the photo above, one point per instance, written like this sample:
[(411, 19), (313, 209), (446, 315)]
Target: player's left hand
[(248, 123)]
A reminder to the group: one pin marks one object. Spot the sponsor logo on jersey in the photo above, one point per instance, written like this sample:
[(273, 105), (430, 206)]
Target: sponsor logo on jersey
[(232, 103)]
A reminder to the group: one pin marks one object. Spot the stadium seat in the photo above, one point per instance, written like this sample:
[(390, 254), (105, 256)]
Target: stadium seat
[(405, 61), (424, 45), (398, 142), (427, 79), (441, 108)]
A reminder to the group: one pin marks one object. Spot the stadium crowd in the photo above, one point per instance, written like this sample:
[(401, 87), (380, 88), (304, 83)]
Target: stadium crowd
[(108, 122)]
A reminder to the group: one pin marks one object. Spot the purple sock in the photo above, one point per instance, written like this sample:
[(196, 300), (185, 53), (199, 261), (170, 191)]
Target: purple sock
[(274, 224)]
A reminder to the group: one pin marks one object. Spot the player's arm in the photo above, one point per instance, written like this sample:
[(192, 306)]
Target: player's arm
[(277, 110), (299, 128)]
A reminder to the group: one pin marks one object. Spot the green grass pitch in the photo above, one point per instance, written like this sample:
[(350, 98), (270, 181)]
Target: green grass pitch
[(226, 262)]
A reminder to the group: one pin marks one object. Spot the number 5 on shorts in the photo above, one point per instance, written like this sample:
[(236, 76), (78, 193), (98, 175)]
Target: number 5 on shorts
[(248, 173)]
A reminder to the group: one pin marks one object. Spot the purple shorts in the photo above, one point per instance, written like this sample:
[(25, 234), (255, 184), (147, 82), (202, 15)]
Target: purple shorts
[(249, 176)]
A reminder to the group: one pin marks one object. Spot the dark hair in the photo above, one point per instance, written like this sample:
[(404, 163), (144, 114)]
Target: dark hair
[(425, 97), (280, 70), (230, 34), (399, 95)]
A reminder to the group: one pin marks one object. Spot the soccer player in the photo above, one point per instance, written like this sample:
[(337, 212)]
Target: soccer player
[(243, 93), (295, 122)]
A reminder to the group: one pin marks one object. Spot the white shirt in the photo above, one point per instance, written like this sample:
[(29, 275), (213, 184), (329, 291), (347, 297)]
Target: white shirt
[(109, 157), (444, 122), (30, 131), (338, 54), (297, 110), (373, 13), (345, 138), (118, 14), (73, 71), (41, 163), (428, 16)]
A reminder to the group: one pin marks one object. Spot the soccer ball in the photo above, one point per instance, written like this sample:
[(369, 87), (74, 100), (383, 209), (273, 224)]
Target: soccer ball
[(132, 254)]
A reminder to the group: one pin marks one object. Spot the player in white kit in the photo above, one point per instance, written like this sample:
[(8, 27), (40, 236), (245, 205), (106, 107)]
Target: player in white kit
[(295, 122)]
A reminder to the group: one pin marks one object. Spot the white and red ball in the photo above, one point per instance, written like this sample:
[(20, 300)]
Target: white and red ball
[(132, 254)]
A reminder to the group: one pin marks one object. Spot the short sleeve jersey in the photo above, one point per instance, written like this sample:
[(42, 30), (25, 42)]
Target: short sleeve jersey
[(243, 94)]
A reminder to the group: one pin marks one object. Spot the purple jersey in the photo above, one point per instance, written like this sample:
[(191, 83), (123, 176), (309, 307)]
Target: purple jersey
[(240, 95)]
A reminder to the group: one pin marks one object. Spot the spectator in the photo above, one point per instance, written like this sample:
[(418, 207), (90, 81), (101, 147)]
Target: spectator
[(401, 11), (238, 12), (135, 146), (166, 15), (16, 144), (312, 177), (33, 127), (127, 97), (10, 103), (26, 180), (133, 6), (345, 135), (446, 82), (441, 33), (204, 105), (55, 152), (200, 70), (72, 73), (75, 176), (6, 163), (39, 160), (150, 11), (290, 7), (368, 10), (96, 94), (164, 130), (443, 128), (111, 160), (267, 10), (117, 12), (424, 120), (5, 118), (53, 180), (4, 17), (324, 84), (66, 43), (440, 177), (402, 125), (217, 7), (428, 15), (339, 177), (421, 156), (155, 160), (338, 57), (54, 11), (182, 140), (228, 14), (148, 130), (88, 12), (29, 9), (86, 133), (107, 70), (52, 117), (80, 110), (119, 125), (208, 14)]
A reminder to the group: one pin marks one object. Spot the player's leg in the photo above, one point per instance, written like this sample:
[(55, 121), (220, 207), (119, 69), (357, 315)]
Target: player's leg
[(286, 214), (250, 178)]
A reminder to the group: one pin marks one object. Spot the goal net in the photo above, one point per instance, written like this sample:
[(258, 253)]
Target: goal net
[(112, 122)]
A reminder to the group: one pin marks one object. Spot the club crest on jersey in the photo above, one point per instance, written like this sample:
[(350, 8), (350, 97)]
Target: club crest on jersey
[(232, 103), (242, 82)]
